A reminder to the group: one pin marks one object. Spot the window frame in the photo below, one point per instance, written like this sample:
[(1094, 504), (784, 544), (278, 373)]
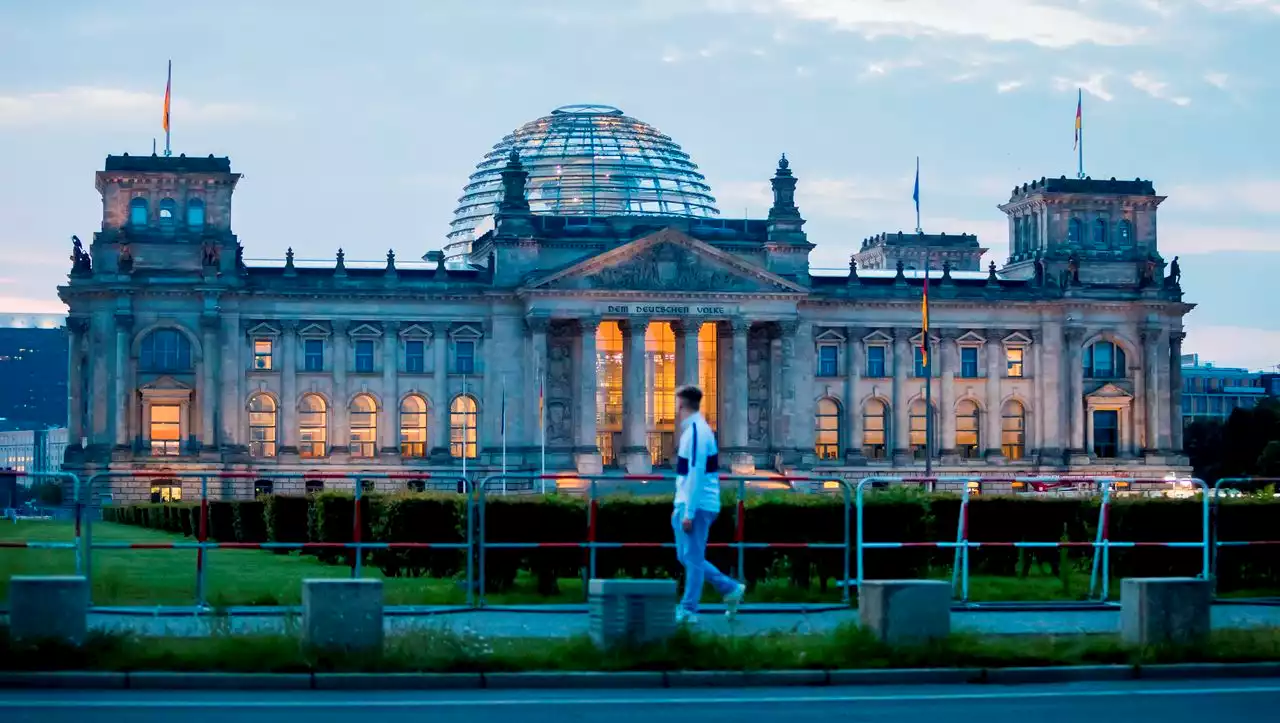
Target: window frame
[(828, 360), (135, 204), (828, 450), (170, 205), (463, 436), (264, 448), (883, 352), (969, 424), (196, 206), (163, 446), (470, 366), (1013, 451), (977, 361), (362, 419), (1010, 365), (874, 450), (1119, 366), (413, 448), (312, 448), (307, 356), (362, 362), (259, 355), (182, 352), (421, 356)]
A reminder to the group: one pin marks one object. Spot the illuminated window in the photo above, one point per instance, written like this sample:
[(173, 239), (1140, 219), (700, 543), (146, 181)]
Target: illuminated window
[(166, 491), (262, 354), (262, 426), (875, 361), (919, 424), (364, 356), (165, 350), (166, 429), (195, 213), (1104, 360), (707, 369), (168, 208), (875, 426), (1013, 425), (660, 376), (138, 212), (413, 426), (608, 378), (313, 425), (1013, 361), (827, 427), (364, 426), (968, 441), (604, 440), (462, 427)]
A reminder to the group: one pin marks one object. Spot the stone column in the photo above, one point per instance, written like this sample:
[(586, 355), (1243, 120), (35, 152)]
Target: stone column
[(123, 381), (686, 334), (232, 368), (101, 338), (440, 392), (991, 420), (388, 420), (635, 451), (742, 462), (789, 422), (852, 404), (588, 459), (1073, 337), (1049, 408), (340, 427), (77, 362), (1036, 415), (900, 433), (287, 412), (950, 357), (1175, 390), (1151, 390), (806, 405), (208, 385)]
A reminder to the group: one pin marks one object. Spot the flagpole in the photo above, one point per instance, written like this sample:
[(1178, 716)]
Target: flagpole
[(542, 423), (928, 377)]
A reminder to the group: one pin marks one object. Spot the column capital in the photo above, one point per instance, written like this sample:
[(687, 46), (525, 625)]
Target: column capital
[(124, 321), (210, 322), (1073, 334), (340, 326), (1150, 335), (634, 327), (288, 326), (537, 324), (689, 324), (589, 324), (947, 334), (788, 327), (995, 336), (77, 324), (1177, 337), (1037, 335), (739, 325)]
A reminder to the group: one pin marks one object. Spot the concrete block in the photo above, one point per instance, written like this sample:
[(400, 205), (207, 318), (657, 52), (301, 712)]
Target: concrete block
[(631, 612), (54, 608), (342, 615), (905, 612), (1164, 610)]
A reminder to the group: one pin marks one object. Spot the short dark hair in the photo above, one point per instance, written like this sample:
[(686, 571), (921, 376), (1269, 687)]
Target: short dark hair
[(691, 395)]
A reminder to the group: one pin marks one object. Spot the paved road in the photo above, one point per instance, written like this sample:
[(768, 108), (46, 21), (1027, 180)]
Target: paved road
[(1220, 701), (564, 621)]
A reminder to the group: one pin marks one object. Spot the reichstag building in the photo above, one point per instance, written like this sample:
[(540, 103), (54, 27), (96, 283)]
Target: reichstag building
[(588, 273)]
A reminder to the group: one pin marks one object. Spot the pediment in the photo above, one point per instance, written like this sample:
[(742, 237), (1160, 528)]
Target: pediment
[(830, 335), (971, 337), (264, 328), (919, 337), (466, 331), (416, 331), (1017, 338), (667, 260), (366, 330), (877, 337), (1109, 391), (313, 328), (165, 384)]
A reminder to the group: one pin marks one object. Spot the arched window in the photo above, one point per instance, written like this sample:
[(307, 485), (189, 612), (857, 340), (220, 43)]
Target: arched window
[(919, 427), (968, 438), (1100, 232), (262, 426), (1124, 233), (1104, 360), (313, 425), (462, 427), (195, 214), (138, 212), (413, 426), (1013, 425), (827, 425), (165, 350), (875, 428), (1075, 231), (364, 426), (168, 209)]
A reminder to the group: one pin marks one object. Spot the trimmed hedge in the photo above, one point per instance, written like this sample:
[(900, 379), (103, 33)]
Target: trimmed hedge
[(889, 516)]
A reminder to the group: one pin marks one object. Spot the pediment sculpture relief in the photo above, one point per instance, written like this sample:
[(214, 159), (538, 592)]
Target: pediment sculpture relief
[(667, 267)]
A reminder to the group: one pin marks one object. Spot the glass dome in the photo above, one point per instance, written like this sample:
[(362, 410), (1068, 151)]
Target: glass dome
[(585, 160)]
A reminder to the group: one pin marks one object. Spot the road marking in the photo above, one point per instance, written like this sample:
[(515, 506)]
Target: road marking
[(604, 699)]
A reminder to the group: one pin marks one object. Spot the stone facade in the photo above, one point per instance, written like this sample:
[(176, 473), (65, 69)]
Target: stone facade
[(184, 358)]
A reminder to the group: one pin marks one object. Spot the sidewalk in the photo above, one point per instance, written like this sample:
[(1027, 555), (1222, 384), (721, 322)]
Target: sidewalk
[(554, 621)]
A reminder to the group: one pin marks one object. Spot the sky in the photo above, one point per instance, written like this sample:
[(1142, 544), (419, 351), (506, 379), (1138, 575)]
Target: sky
[(356, 124)]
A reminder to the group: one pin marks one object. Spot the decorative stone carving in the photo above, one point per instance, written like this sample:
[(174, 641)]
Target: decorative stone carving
[(667, 267), (560, 393), (759, 398), (1174, 279), (124, 261), (210, 254)]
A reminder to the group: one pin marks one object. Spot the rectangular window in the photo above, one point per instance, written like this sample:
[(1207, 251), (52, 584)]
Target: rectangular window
[(828, 359), (1106, 433), (415, 356), (313, 355), (604, 441), (464, 357), (364, 356), (165, 432), (969, 362), (917, 355), (1013, 362), (875, 362), (262, 355)]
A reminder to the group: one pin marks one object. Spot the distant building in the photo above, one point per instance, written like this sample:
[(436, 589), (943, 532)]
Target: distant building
[(33, 450), (33, 365), (1212, 393), (884, 251)]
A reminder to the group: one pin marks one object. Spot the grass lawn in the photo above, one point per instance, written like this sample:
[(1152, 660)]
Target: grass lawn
[(443, 651), (257, 577)]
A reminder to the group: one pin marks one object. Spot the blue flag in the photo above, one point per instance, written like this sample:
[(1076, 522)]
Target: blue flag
[(915, 194)]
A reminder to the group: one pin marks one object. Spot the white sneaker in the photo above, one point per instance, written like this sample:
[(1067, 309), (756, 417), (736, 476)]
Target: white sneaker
[(684, 617), (733, 600)]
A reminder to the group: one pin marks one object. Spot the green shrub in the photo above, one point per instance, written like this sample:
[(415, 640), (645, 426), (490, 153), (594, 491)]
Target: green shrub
[(420, 518), (286, 519), (250, 521)]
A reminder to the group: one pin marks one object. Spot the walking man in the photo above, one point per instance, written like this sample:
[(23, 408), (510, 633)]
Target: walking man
[(697, 504)]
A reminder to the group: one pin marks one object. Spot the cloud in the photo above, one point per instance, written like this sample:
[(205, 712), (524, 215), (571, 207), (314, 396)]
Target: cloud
[(1236, 346), (1093, 85), (1031, 21), (1008, 86), (23, 305), (1238, 5), (841, 198), (881, 68), (1156, 88), (1217, 80), (89, 104), (1254, 195)]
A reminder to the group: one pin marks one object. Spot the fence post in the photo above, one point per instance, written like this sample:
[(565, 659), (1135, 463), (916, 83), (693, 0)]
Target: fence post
[(740, 531), (593, 509), (844, 485), (355, 532), (480, 496), (469, 492)]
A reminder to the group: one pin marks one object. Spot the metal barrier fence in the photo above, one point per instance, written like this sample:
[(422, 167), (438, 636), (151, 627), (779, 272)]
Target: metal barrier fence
[(592, 543), (1219, 488), (75, 544)]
